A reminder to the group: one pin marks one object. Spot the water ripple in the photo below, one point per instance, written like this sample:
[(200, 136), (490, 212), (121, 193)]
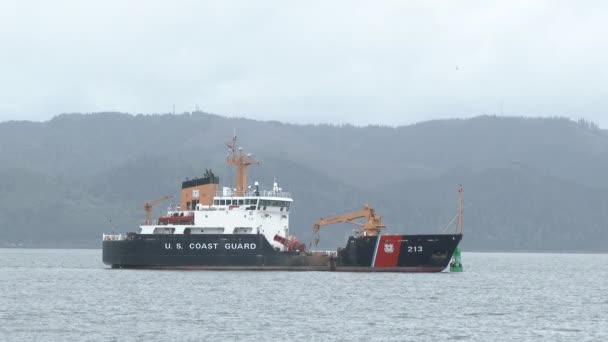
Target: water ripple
[(60, 295)]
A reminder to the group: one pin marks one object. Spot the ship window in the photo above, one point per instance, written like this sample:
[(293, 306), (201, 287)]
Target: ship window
[(206, 230), (274, 203), (242, 230), (212, 230), (163, 230), (241, 202), (222, 202)]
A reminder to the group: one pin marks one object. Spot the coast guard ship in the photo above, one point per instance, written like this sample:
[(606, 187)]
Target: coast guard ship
[(247, 228)]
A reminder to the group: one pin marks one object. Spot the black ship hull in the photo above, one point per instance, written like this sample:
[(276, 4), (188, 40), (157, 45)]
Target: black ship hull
[(385, 253)]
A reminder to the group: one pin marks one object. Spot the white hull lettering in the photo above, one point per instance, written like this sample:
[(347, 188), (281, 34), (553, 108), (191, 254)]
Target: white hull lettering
[(212, 245), (240, 246), (203, 245)]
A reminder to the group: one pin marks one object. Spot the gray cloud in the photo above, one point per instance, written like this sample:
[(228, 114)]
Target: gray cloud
[(393, 62)]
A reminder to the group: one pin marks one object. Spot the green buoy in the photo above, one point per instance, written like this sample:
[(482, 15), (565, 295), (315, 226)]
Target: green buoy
[(456, 265)]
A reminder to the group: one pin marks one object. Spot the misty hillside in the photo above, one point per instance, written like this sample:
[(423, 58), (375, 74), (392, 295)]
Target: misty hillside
[(530, 184)]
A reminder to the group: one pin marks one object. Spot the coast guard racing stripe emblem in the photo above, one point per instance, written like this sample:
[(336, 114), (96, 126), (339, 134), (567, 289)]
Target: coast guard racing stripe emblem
[(389, 248)]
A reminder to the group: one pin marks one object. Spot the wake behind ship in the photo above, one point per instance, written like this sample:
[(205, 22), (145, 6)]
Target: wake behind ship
[(246, 228)]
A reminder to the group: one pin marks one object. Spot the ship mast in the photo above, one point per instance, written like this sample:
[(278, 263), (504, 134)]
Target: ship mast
[(460, 209), (236, 158)]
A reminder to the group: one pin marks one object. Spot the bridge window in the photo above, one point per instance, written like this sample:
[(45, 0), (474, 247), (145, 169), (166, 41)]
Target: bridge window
[(274, 203)]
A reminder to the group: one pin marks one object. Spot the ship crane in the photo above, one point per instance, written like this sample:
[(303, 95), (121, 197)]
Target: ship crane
[(148, 208), (371, 226)]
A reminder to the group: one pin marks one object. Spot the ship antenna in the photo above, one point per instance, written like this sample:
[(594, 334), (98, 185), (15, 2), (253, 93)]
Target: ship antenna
[(111, 226)]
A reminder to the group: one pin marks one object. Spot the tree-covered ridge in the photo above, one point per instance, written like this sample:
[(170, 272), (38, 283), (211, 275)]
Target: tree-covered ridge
[(530, 183)]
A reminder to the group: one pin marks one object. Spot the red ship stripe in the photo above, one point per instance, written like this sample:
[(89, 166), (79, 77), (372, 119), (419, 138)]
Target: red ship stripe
[(387, 253)]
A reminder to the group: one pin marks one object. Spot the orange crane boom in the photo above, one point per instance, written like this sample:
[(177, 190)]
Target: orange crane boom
[(371, 226), (148, 208)]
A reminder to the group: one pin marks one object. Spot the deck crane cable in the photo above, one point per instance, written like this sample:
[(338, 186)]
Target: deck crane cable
[(458, 214), (444, 230)]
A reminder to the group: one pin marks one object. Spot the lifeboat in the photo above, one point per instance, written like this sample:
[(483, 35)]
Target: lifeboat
[(177, 219)]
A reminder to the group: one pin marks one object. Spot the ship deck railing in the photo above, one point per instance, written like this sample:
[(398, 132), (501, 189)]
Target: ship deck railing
[(114, 237), (328, 253), (253, 193)]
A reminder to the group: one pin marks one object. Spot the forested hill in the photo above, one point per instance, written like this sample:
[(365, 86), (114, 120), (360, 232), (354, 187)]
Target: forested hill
[(530, 184)]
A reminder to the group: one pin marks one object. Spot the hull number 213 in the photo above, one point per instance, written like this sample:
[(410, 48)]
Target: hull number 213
[(414, 249)]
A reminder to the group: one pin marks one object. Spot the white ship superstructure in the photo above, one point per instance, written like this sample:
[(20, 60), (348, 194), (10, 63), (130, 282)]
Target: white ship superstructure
[(231, 212)]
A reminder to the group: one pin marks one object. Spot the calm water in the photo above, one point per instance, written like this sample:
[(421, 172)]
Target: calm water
[(68, 295)]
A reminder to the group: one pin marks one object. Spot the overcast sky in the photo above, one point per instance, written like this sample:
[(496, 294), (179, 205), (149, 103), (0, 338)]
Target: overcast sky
[(360, 62)]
